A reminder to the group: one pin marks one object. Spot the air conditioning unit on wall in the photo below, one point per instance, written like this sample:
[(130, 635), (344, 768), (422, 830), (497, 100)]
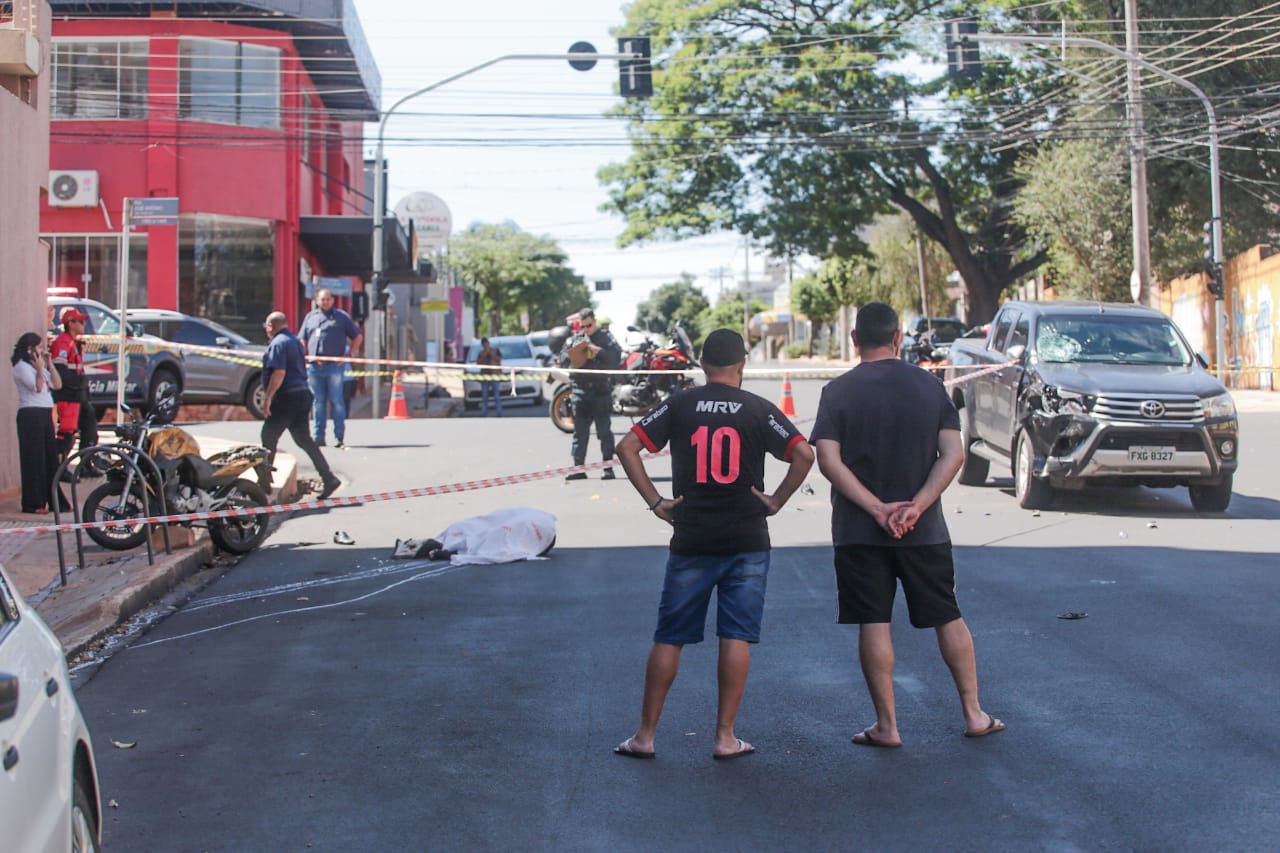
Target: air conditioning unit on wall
[(73, 189)]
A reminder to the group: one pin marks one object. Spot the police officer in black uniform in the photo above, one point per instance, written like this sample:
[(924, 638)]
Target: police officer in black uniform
[(593, 394)]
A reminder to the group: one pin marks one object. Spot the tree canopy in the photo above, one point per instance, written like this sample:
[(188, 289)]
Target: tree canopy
[(677, 300), (516, 272), (1070, 200), (799, 124)]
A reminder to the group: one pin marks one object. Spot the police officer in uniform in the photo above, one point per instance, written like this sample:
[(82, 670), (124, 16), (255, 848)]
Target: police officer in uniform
[(593, 394)]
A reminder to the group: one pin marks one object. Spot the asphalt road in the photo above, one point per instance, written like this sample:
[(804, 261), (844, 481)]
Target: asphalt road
[(326, 697)]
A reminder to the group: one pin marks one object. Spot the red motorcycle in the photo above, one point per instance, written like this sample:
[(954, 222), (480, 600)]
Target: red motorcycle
[(646, 383)]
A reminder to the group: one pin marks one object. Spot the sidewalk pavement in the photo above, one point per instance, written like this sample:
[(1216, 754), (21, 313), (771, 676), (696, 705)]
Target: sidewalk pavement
[(114, 585)]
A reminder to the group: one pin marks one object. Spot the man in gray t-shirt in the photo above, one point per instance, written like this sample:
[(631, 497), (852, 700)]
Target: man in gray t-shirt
[(888, 439)]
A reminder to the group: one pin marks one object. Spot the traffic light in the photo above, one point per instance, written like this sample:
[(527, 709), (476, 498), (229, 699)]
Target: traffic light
[(1217, 280), (378, 289), (635, 76), (962, 51), (1217, 275), (360, 306)]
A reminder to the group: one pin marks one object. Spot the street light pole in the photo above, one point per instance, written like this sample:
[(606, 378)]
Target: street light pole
[(376, 313), (1215, 177)]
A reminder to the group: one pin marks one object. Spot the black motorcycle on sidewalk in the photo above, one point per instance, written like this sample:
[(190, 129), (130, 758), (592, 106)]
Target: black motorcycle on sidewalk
[(189, 483)]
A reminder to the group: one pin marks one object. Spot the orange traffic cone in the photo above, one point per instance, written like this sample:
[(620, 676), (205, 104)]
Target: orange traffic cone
[(396, 410), (786, 404)]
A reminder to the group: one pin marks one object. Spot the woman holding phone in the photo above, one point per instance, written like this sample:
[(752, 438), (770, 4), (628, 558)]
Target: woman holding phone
[(34, 375)]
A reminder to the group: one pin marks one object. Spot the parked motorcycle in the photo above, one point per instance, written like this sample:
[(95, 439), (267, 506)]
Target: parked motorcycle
[(189, 483), (928, 353), (633, 395)]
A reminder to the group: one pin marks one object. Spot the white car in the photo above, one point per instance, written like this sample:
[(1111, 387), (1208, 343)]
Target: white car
[(517, 351), (49, 786)]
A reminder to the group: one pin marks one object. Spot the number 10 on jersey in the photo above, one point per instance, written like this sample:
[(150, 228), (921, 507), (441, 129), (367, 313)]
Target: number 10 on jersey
[(718, 454)]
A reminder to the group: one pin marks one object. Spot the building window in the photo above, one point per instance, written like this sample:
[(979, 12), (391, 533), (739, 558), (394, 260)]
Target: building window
[(99, 79), (229, 83), (226, 270), (91, 264)]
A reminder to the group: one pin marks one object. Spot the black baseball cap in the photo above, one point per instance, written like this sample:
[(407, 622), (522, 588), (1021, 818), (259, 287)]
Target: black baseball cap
[(723, 348)]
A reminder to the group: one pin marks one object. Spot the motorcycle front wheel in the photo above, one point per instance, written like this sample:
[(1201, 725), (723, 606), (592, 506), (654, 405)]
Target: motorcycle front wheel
[(562, 409), (109, 503), (241, 534)]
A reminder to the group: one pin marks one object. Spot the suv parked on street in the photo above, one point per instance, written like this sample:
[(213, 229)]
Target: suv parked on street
[(153, 371), (234, 379)]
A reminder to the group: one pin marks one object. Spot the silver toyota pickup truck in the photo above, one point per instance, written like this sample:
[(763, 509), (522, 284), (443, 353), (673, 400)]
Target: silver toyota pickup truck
[(1073, 393)]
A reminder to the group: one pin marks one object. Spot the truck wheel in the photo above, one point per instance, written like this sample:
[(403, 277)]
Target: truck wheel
[(975, 469), (1032, 492), (1212, 498)]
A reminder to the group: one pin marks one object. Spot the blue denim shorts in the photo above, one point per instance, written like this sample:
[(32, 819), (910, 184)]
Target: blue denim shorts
[(738, 581)]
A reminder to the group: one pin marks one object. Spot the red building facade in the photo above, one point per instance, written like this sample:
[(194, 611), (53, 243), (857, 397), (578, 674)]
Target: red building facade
[(252, 119)]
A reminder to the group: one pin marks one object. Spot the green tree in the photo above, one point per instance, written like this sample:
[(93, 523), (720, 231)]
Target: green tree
[(514, 271), (1075, 200), (796, 124), (727, 314), (550, 298), (889, 271), (817, 301), (677, 300)]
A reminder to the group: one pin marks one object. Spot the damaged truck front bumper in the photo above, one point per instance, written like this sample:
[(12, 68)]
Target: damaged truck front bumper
[(1075, 447)]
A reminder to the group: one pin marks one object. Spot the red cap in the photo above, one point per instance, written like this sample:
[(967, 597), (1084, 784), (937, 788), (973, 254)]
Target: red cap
[(73, 313)]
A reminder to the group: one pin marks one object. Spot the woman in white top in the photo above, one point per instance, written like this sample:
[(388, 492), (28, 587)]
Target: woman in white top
[(34, 375)]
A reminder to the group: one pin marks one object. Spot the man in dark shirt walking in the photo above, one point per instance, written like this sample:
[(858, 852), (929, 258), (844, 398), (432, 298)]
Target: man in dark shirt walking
[(592, 394), (330, 332), (288, 400), (718, 435), (888, 439)]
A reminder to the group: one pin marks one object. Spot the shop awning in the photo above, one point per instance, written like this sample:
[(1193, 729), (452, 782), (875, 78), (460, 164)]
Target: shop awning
[(343, 245)]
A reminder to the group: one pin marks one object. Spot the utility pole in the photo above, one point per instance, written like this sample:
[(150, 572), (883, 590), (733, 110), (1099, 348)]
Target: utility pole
[(1146, 294), (746, 290), (720, 274)]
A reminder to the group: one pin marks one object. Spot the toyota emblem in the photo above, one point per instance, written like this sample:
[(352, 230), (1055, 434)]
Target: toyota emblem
[(1151, 409)]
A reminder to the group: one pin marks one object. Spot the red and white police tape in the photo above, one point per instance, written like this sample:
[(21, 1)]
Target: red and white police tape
[(375, 497), (327, 503)]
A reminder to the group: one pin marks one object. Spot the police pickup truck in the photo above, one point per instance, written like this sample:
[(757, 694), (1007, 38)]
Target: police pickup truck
[(1068, 394), (154, 369)]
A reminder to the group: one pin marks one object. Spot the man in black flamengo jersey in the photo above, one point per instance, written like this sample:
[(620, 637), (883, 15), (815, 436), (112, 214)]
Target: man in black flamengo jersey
[(718, 435)]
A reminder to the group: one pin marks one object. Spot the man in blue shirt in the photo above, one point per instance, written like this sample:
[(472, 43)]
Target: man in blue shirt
[(288, 400), (326, 332)]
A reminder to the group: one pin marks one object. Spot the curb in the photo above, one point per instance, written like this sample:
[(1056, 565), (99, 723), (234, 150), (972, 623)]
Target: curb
[(79, 623), (98, 600)]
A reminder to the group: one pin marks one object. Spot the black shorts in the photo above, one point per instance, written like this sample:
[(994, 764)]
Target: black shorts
[(867, 580)]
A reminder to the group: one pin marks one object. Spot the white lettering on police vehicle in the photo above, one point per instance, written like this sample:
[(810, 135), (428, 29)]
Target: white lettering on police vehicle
[(721, 406)]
